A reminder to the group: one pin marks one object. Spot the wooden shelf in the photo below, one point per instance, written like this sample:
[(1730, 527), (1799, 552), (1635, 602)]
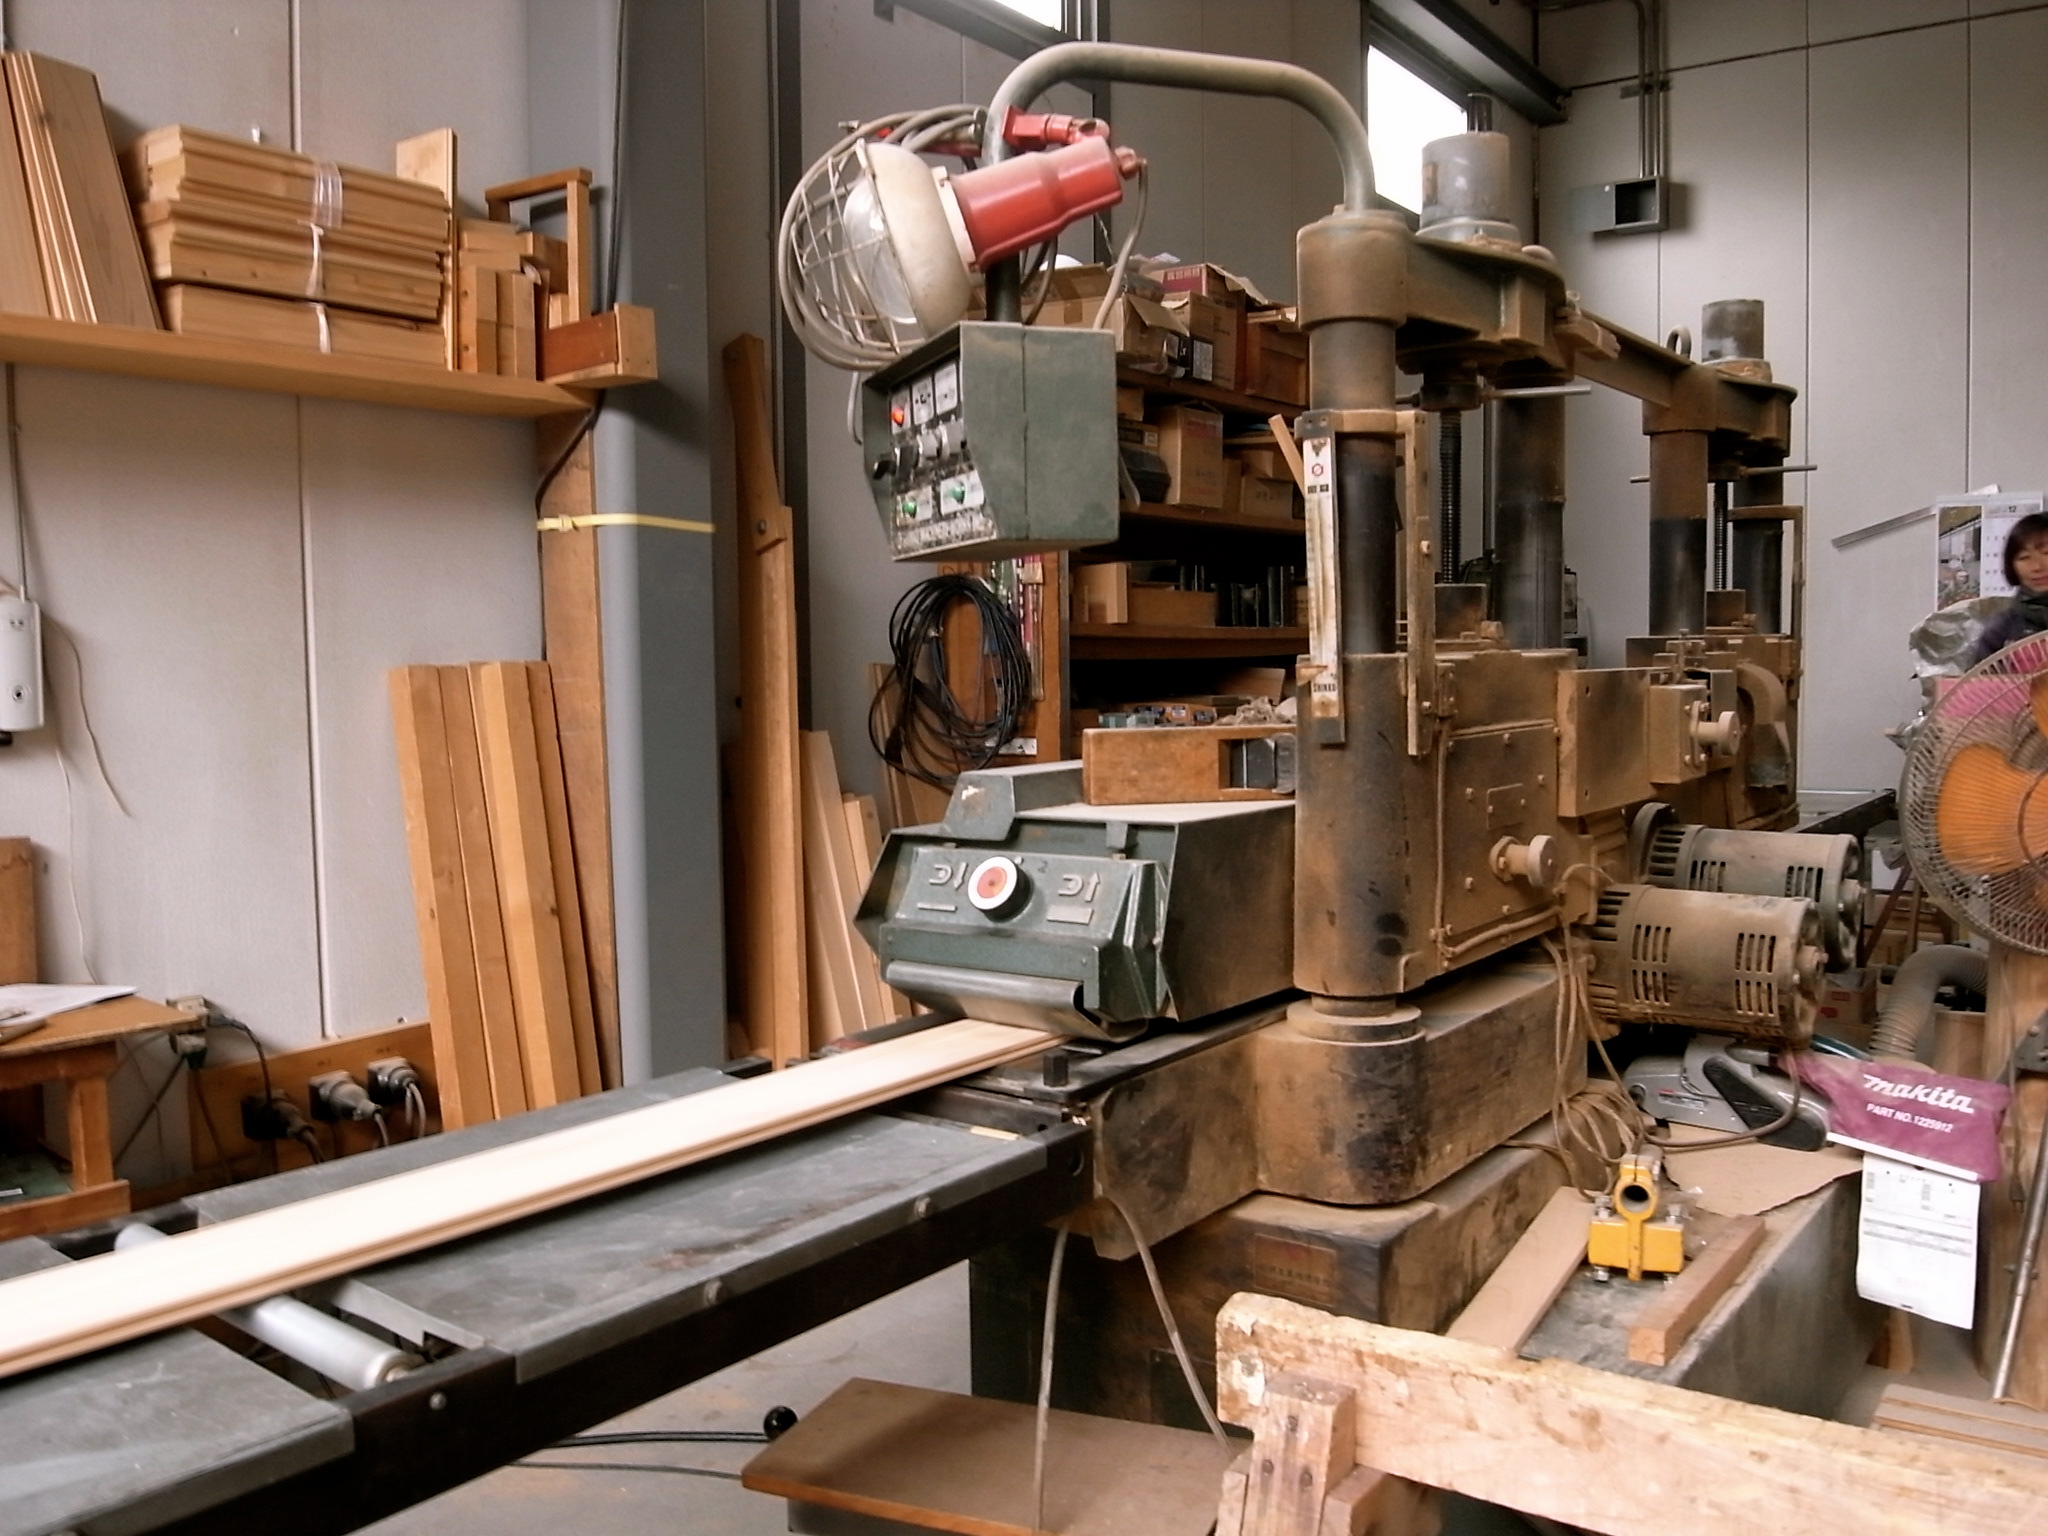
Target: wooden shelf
[(1138, 642), (1207, 394), (1191, 517), (46, 343)]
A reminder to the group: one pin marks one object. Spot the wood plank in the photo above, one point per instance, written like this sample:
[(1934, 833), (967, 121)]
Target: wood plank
[(58, 252), (2019, 994), (54, 1314), (770, 792), (88, 1131), (17, 910), (864, 835), (190, 309), (575, 652), (428, 158), (825, 898), (526, 880), (480, 888), (21, 262), (440, 897), (1661, 1330), (562, 860), (1517, 1294), (96, 204), (1545, 1438), (1169, 765), (947, 1462), (61, 1213), (850, 871), (616, 347)]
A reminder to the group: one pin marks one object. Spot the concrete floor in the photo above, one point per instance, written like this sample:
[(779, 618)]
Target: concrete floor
[(917, 1336)]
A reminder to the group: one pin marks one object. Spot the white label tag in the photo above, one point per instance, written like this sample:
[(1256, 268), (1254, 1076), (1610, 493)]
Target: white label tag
[(1318, 472), (1917, 1241)]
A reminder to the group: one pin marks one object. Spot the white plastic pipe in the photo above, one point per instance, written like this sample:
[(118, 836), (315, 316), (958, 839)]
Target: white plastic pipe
[(315, 1339)]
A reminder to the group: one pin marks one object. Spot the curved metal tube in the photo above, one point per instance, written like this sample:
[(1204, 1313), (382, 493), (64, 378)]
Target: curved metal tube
[(1906, 1011), (1192, 71)]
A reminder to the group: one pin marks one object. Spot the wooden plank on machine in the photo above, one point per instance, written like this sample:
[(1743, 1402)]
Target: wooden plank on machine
[(770, 789), (1545, 1437), (1169, 765), (440, 898), (526, 880), (1662, 1328), (562, 860), (480, 881), (53, 1314), (1517, 1294)]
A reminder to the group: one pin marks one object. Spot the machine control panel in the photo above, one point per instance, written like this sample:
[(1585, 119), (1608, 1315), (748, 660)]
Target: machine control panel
[(994, 440)]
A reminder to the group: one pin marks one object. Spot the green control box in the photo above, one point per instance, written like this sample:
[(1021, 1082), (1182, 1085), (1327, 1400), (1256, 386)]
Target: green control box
[(995, 440)]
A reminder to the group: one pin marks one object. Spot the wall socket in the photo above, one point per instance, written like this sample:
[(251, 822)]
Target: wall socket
[(21, 665)]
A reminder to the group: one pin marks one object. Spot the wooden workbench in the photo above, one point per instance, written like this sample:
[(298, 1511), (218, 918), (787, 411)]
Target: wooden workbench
[(80, 1049)]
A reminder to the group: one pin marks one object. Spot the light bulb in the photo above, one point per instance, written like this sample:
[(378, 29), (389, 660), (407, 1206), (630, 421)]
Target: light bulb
[(902, 243)]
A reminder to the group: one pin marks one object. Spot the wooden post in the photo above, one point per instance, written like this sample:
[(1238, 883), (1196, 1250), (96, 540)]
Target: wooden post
[(770, 789), (17, 910), (2019, 995)]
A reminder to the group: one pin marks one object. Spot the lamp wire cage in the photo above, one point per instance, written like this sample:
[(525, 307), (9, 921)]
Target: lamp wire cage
[(825, 296), (1973, 798)]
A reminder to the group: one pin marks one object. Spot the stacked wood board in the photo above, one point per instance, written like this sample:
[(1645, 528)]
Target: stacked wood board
[(67, 245), (503, 274), (338, 243), (494, 885), (842, 840)]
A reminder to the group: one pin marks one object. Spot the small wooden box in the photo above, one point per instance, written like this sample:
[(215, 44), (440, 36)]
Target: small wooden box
[(1158, 603)]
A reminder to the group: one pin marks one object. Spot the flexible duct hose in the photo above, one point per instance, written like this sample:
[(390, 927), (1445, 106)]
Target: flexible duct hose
[(1906, 1010)]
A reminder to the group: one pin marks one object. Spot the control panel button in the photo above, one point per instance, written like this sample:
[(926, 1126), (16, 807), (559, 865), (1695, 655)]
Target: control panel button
[(996, 883)]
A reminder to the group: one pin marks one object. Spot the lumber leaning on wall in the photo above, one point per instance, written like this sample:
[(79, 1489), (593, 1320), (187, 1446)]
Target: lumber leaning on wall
[(53, 1314)]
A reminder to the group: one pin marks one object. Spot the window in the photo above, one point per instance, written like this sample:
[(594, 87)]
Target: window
[(1403, 113), (1047, 13)]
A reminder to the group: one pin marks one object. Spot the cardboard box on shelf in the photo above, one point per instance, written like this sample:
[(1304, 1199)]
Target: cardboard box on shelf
[(1102, 593), (1233, 485), (1207, 278), (1092, 282), (1191, 443), (1160, 603), (1130, 403), (1213, 326), (1149, 337), (1266, 463), (1274, 363), (1274, 500)]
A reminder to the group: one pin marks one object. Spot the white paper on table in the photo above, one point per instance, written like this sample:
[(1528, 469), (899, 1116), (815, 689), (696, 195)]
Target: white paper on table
[(39, 1000), (1916, 1246)]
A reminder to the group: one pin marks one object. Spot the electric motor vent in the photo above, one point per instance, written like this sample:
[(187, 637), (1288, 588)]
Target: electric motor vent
[(1804, 866), (1735, 963)]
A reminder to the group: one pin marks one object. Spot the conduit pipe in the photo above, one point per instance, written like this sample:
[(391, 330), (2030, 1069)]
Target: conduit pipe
[(1911, 1003)]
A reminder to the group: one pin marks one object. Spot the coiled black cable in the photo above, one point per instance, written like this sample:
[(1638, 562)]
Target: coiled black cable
[(935, 735)]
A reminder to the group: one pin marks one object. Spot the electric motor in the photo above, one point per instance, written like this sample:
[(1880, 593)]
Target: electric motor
[(1825, 870), (1736, 964)]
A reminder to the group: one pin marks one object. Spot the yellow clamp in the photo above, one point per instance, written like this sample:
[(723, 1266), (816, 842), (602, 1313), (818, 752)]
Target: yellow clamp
[(1629, 1230)]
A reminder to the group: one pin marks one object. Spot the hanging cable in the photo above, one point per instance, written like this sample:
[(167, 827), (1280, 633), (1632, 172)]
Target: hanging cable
[(1180, 1348), (936, 735), (1045, 1358)]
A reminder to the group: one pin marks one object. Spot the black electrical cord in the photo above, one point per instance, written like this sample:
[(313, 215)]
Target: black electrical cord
[(624, 1466), (935, 736)]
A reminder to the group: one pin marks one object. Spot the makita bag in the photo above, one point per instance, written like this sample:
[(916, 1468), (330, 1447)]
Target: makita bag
[(1906, 1110)]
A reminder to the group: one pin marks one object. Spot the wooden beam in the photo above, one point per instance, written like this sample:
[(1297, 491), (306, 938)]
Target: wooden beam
[(1610, 1453), (1662, 1328), (562, 861), (480, 886), (526, 880), (440, 897), (2019, 995), (1517, 1294), (54, 1314), (570, 596), (616, 347), (769, 793)]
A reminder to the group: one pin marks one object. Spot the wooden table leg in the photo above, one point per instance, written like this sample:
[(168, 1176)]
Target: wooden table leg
[(91, 1134)]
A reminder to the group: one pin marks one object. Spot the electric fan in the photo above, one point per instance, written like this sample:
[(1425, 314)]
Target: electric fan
[(1973, 802)]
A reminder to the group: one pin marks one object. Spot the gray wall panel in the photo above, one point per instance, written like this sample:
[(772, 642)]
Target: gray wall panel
[(1830, 21)]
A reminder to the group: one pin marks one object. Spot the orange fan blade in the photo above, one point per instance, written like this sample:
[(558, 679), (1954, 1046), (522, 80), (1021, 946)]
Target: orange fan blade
[(1984, 816)]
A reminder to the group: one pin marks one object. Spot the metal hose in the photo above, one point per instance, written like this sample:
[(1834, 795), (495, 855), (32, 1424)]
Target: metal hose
[(1911, 1003)]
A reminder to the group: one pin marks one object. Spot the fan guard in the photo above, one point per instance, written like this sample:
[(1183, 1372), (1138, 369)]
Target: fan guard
[(1973, 800)]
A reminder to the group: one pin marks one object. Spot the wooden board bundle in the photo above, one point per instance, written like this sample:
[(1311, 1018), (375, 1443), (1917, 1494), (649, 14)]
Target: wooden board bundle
[(54, 1314), (1986, 1425), (842, 840), (494, 884), (88, 262), (278, 187), (265, 220), (194, 310)]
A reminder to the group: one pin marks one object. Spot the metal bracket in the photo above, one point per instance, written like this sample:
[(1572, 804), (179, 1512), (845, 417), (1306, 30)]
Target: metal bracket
[(2030, 1051)]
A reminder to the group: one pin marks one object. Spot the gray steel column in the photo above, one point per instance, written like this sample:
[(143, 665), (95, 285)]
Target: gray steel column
[(652, 458), (1528, 523), (1678, 533)]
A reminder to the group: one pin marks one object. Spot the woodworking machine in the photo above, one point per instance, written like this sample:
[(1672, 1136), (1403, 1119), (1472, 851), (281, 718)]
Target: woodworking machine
[(1345, 997)]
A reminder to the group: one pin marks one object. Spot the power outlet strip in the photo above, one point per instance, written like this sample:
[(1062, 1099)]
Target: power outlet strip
[(21, 664)]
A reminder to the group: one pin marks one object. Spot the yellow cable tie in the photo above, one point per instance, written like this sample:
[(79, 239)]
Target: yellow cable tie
[(622, 520)]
